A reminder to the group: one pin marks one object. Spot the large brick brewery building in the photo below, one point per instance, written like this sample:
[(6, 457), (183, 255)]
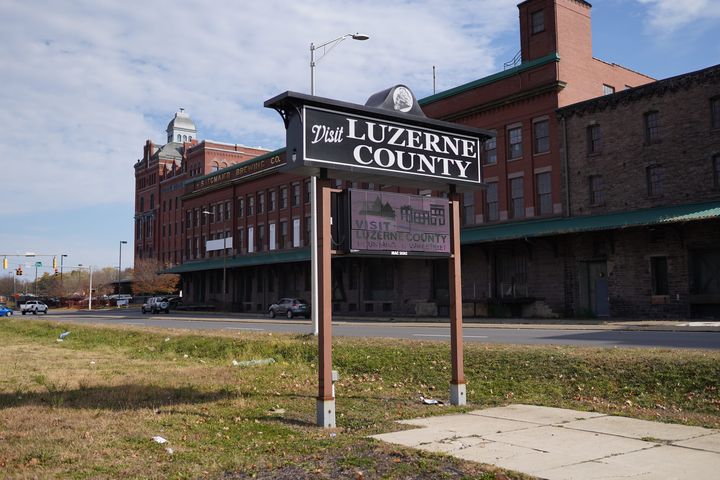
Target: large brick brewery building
[(603, 197)]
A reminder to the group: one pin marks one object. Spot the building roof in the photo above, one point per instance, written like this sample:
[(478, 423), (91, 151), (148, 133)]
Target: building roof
[(610, 221), (171, 149), (248, 260), (660, 87), (181, 121), (552, 57)]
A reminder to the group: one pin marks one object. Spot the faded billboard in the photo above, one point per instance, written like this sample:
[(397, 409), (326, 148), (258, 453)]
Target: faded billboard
[(398, 224)]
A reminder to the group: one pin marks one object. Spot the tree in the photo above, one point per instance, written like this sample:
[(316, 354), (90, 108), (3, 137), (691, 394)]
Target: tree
[(147, 279)]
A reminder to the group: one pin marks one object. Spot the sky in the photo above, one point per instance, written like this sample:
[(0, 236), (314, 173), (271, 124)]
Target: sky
[(84, 83)]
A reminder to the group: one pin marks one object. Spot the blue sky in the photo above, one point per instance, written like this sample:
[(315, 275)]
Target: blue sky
[(84, 83)]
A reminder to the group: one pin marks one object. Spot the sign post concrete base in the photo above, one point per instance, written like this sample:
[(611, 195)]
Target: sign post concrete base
[(457, 394), (326, 413)]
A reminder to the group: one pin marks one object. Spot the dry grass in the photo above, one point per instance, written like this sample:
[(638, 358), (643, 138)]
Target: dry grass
[(88, 407)]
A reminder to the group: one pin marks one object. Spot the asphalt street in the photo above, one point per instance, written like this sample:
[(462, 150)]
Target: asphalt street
[(566, 334)]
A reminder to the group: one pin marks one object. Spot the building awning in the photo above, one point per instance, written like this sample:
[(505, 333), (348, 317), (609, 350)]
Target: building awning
[(610, 221), (248, 260)]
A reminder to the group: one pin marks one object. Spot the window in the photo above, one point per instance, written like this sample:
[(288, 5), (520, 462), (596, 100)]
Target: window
[(295, 194), (142, 204), (251, 239), (517, 198), (240, 207), (537, 21), (272, 195), (514, 143), (152, 201), (594, 139), (239, 245), (716, 171), (468, 211), (491, 202), (659, 275), (250, 205), (597, 190), (307, 192), (260, 238), (306, 232), (296, 232), (260, 202), (543, 187), (271, 237), (283, 197), (654, 180), (215, 167), (608, 89), (491, 151), (652, 127), (541, 141), (715, 112), (283, 234)]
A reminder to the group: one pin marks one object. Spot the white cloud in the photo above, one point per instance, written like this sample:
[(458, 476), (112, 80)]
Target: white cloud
[(85, 83), (670, 15)]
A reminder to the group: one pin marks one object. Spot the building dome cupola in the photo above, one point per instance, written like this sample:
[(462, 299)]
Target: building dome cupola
[(181, 128)]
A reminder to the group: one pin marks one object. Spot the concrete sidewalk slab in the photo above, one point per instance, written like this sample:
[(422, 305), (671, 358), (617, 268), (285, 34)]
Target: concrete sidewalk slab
[(557, 444)]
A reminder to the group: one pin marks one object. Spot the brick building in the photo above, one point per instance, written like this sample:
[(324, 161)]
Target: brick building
[(159, 182), (643, 172), (534, 243)]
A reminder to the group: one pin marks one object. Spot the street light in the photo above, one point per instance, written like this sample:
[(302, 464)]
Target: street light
[(326, 48), (224, 281), (62, 257), (120, 264), (80, 265)]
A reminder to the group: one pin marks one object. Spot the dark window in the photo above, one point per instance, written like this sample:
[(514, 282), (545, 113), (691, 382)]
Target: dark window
[(491, 202), (594, 139), (379, 280), (659, 275), (283, 197), (543, 186), (654, 180), (597, 190), (240, 207), (715, 112), (491, 151), (295, 194), (260, 238), (227, 211), (152, 201), (716, 171), (468, 211), (251, 205), (514, 143), (271, 200), (541, 142), (283, 234), (142, 204), (260, 202), (517, 198), (608, 90), (537, 21), (307, 192), (306, 232), (652, 127), (239, 245)]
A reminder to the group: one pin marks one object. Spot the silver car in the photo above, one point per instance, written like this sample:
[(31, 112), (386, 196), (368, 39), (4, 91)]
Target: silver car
[(290, 307)]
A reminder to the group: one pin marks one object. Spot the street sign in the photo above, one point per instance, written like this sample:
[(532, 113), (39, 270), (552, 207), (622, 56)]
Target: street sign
[(38, 264)]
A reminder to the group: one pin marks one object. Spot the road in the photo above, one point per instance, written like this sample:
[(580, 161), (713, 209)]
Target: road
[(524, 335)]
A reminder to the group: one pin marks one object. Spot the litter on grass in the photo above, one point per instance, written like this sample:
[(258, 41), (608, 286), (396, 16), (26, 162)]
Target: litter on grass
[(252, 363), (159, 439), (62, 336), (430, 401)]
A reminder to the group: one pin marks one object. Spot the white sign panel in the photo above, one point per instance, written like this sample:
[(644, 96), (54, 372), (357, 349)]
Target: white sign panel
[(214, 245), (296, 232)]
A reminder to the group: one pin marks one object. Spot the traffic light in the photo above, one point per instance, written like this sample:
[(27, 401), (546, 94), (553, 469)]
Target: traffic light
[(5, 263), (18, 271), (55, 264)]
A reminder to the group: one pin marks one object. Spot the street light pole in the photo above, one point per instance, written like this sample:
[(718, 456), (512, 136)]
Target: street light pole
[(326, 48), (80, 265), (120, 264), (224, 281), (62, 257)]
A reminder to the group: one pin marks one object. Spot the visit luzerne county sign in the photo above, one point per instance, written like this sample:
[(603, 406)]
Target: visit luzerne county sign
[(357, 142), (397, 224)]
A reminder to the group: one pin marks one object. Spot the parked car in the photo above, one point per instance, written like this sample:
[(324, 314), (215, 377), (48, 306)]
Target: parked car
[(156, 305), (5, 311), (290, 307), (34, 307)]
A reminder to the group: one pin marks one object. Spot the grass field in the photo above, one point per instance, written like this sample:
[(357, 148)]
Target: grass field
[(89, 406)]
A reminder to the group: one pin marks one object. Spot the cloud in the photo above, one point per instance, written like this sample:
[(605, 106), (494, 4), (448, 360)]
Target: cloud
[(670, 15), (86, 82)]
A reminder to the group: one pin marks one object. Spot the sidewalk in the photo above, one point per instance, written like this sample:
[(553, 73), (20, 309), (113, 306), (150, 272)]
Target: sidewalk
[(560, 444)]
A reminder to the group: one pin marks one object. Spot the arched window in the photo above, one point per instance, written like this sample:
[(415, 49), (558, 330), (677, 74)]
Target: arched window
[(189, 138), (215, 167), (179, 137), (184, 138), (224, 164)]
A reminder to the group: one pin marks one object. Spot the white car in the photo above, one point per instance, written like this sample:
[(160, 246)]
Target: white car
[(34, 307)]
